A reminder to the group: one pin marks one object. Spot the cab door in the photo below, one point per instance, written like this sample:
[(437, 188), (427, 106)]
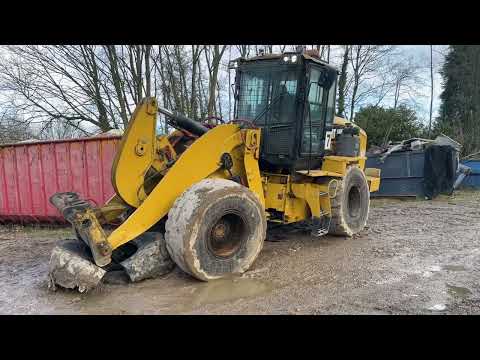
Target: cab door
[(282, 117), (318, 111)]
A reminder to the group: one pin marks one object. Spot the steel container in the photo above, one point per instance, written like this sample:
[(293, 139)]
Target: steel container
[(30, 172)]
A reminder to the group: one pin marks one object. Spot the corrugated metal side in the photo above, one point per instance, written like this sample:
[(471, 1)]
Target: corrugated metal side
[(31, 172), (401, 173)]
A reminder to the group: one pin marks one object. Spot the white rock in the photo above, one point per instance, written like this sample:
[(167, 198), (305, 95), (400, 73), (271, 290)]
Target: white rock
[(438, 307)]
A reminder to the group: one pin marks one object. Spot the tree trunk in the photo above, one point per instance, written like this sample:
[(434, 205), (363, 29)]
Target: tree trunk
[(342, 82), (229, 86), (215, 65), (356, 80), (431, 91), (354, 95), (397, 94), (148, 81), (196, 50), (139, 77), (117, 82)]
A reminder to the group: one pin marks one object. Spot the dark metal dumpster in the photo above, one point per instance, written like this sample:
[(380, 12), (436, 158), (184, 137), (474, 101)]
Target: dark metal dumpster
[(401, 173), (32, 172), (420, 173)]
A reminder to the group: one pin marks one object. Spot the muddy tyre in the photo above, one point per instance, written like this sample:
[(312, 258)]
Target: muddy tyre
[(215, 228), (351, 204)]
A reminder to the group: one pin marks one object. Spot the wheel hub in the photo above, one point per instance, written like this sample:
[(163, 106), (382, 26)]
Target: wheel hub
[(219, 231), (226, 235)]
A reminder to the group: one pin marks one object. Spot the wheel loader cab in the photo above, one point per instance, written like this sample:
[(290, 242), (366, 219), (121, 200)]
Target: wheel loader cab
[(291, 97)]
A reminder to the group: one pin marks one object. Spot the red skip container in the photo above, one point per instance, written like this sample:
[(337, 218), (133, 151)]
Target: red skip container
[(31, 172)]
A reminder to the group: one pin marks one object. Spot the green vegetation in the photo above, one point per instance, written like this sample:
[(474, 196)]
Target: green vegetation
[(460, 99), (384, 125)]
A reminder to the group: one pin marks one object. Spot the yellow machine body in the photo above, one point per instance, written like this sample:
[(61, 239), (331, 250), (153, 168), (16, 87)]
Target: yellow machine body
[(143, 155)]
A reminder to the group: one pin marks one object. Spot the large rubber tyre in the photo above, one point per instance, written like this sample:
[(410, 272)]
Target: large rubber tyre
[(215, 228), (351, 204)]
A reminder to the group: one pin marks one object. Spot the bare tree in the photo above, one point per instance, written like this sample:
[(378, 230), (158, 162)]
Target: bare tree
[(213, 55), (323, 51), (118, 82), (13, 129), (172, 62), (404, 79), (366, 62), (244, 50), (342, 82), (91, 88), (431, 90), (57, 82), (148, 79), (194, 98)]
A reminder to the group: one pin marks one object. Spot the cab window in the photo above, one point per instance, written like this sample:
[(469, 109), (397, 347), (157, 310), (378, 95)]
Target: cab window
[(253, 96), (314, 118)]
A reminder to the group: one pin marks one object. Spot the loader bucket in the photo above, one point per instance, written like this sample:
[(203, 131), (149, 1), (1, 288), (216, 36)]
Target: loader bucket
[(71, 266)]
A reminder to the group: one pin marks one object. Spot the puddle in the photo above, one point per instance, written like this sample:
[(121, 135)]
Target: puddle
[(157, 296), (458, 291), (226, 290), (453, 267), (220, 291)]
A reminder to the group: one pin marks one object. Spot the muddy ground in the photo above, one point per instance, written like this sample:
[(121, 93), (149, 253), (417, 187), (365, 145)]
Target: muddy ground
[(415, 257)]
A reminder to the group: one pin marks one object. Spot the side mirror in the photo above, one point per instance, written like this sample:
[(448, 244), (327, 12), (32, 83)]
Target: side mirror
[(328, 78)]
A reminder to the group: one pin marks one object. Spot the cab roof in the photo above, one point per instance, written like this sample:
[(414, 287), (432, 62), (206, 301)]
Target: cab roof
[(305, 55)]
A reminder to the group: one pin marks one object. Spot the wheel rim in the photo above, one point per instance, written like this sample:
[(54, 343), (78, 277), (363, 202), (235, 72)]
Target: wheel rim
[(227, 235)]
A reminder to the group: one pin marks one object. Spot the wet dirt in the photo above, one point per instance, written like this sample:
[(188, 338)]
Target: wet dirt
[(453, 268), (414, 257), (458, 291)]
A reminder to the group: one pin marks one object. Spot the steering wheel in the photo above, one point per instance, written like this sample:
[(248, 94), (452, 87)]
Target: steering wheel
[(249, 123), (213, 118)]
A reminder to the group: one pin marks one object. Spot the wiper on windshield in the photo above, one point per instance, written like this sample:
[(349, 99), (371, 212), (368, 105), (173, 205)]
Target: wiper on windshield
[(268, 106)]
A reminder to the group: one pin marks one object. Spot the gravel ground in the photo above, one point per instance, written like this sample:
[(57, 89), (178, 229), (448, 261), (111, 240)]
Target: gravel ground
[(414, 257)]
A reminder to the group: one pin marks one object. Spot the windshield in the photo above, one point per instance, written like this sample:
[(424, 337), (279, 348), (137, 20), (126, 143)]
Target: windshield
[(267, 96)]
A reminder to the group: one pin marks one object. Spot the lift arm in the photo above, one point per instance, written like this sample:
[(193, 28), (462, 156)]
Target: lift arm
[(138, 153)]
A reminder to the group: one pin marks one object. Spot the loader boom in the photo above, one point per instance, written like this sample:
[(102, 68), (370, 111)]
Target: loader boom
[(201, 160), (138, 153)]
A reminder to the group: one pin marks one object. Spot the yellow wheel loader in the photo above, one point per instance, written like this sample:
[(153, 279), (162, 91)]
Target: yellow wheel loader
[(201, 196)]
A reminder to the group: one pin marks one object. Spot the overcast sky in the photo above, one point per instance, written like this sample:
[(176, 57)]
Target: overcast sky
[(422, 54)]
